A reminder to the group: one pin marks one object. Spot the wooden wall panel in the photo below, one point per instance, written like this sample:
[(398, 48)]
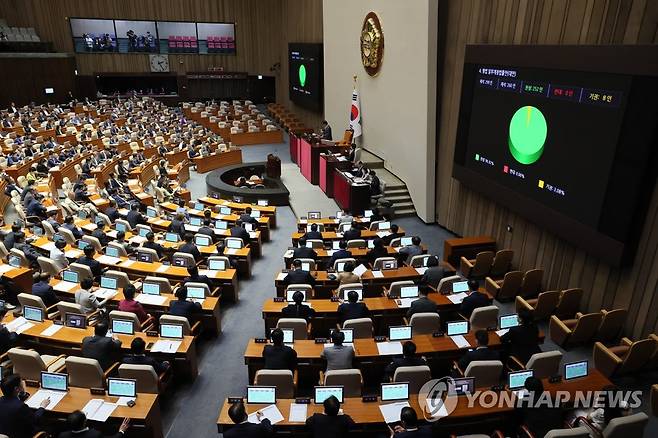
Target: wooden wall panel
[(24, 79), (469, 213)]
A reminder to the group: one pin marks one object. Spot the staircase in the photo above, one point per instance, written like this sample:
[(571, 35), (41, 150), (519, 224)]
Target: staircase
[(396, 190)]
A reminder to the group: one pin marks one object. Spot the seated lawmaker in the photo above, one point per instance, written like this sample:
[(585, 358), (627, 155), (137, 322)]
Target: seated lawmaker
[(474, 300), (193, 276), (279, 356), (298, 276), (297, 309), (243, 428), (134, 217), (302, 252), (77, 425), (338, 356), (138, 356), (434, 272), (7, 339), (70, 225), (408, 359), (128, 304), (313, 234), (105, 350), (412, 250), (378, 250), (17, 420), (481, 351), (247, 218), (331, 423), (523, 340), (352, 309), (99, 233), (182, 307), (88, 260), (190, 247), (409, 427), (423, 304), (348, 276), (239, 231), (341, 253), (152, 244), (41, 288), (353, 233)]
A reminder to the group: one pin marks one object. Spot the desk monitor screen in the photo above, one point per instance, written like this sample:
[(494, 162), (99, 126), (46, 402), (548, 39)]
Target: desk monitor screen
[(322, 393), (202, 240), (309, 244), (306, 266), (108, 283), (120, 227), (390, 264), (339, 214), (340, 267), (395, 391), (196, 221), (575, 370), (261, 394), (195, 292), (370, 243), (386, 225), (462, 386), (221, 225), (122, 387), (249, 227), (143, 232), (57, 237), (151, 288), (151, 212), (367, 213), (224, 210), (123, 327), (82, 214), (405, 241), (314, 215), (291, 292), (255, 214), (288, 335), (457, 328), (179, 261), (345, 292), (345, 227), (517, 379), (33, 313), (508, 321), (335, 244), (171, 237), (37, 231), (399, 333), (408, 291), (174, 331), (75, 320), (217, 265), (70, 276), (54, 381), (233, 244), (459, 286), (263, 202), (349, 335), (82, 244), (198, 206), (111, 251), (144, 257)]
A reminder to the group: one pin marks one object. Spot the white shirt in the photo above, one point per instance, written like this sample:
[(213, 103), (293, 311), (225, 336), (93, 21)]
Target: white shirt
[(58, 257)]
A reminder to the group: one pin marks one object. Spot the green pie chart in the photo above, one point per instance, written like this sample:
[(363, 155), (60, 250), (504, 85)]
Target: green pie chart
[(302, 75), (527, 134)]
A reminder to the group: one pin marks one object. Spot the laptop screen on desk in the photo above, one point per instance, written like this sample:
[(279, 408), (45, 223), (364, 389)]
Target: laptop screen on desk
[(345, 293), (395, 391), (508, 321), (224, 210), (575, 370), (460, 286), (261, 394), (517, 379), (171, 237), (263, 202), (462, 385), (151, 212), (291, 292), (54, 381), (198, 293), (255, 214), (457, 328), (408, 291), (143, 232), (322, 393), (70, 276), (217, 265), (14, 261), (233, 244), (151, 288), (75, 320), (399, 333), (122, 387), (367, 213), (202, 240), (82, 244), (405, 241), (196, 221), (33, 313), (120, 227), (221, 225), (111, 251), (174, 331), (349, 335), (384, 225), (123, 327), (288, 335), (108, 283), (314, 215), (144, 257), (198, 206)]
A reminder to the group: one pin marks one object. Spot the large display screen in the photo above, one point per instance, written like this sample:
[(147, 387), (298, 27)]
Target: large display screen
[(562, 146), (306, 81)]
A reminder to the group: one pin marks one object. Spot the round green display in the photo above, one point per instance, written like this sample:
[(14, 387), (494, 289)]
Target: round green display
[(527, 134), (302, 75)]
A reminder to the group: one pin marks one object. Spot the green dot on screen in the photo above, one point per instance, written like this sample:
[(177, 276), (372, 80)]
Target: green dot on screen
[(302, 75), (527, 134)]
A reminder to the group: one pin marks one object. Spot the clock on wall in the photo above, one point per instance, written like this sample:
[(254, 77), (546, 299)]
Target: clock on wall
[(372, 44), (159, 63)]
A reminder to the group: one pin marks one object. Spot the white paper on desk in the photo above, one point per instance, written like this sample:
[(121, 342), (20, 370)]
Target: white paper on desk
[(104, 294), (270, 412), (460, 341), (378, 274), (65, 286), (389, 348), (341, 158), (405, 303), (156, 300), (162, 268), (339, 234), (55, 397), (123, 401), (360, 270), (252, 234), (208, 272), (382, 234), (437, 412), (365, 219), (336, 221), (288, 254), (48, 246), (6, 268), (298, 413), (51, 330), (230, 251), (457, 298), (112, 233), (73, 253), (162, 346), (127, 263), (281, 276), (137, 240), (502, 332), (19, 325), (330, 252), (422, 270), (349, 174), (193, 228), (98, 410), (391, 412), (107, 260)]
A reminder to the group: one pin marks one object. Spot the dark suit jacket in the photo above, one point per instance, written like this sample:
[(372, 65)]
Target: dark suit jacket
[(352, 234), (241, 233), (187, 309), (191, 248), (112, 213), (325, 426), (94, 265), (376, 253), (135, 217), (177, 227), (294, 311), (17, 420), (104, 350), (472, 302), (156, 247), (433, 276), (91, 433), (421, 432), (244, 217), (339, 254), (421, 305), (542, 419), (403, 362), (158, 366), (250, 430), (304, 253), (7, 339), (522, 341), (298, 276), (279, 357), (478, 354), (45, 292), (315, 235), (352, 311), (101, 236)]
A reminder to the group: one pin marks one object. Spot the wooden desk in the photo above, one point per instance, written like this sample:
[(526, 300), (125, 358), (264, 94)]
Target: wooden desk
[(21, 278), (454, 249), (323, 255), (329, 236), (330, 224), (328, 164), (217, 160), (146, 420), (368, 417), (262, 137), (176, 157), (354, 198), (265, 210)]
